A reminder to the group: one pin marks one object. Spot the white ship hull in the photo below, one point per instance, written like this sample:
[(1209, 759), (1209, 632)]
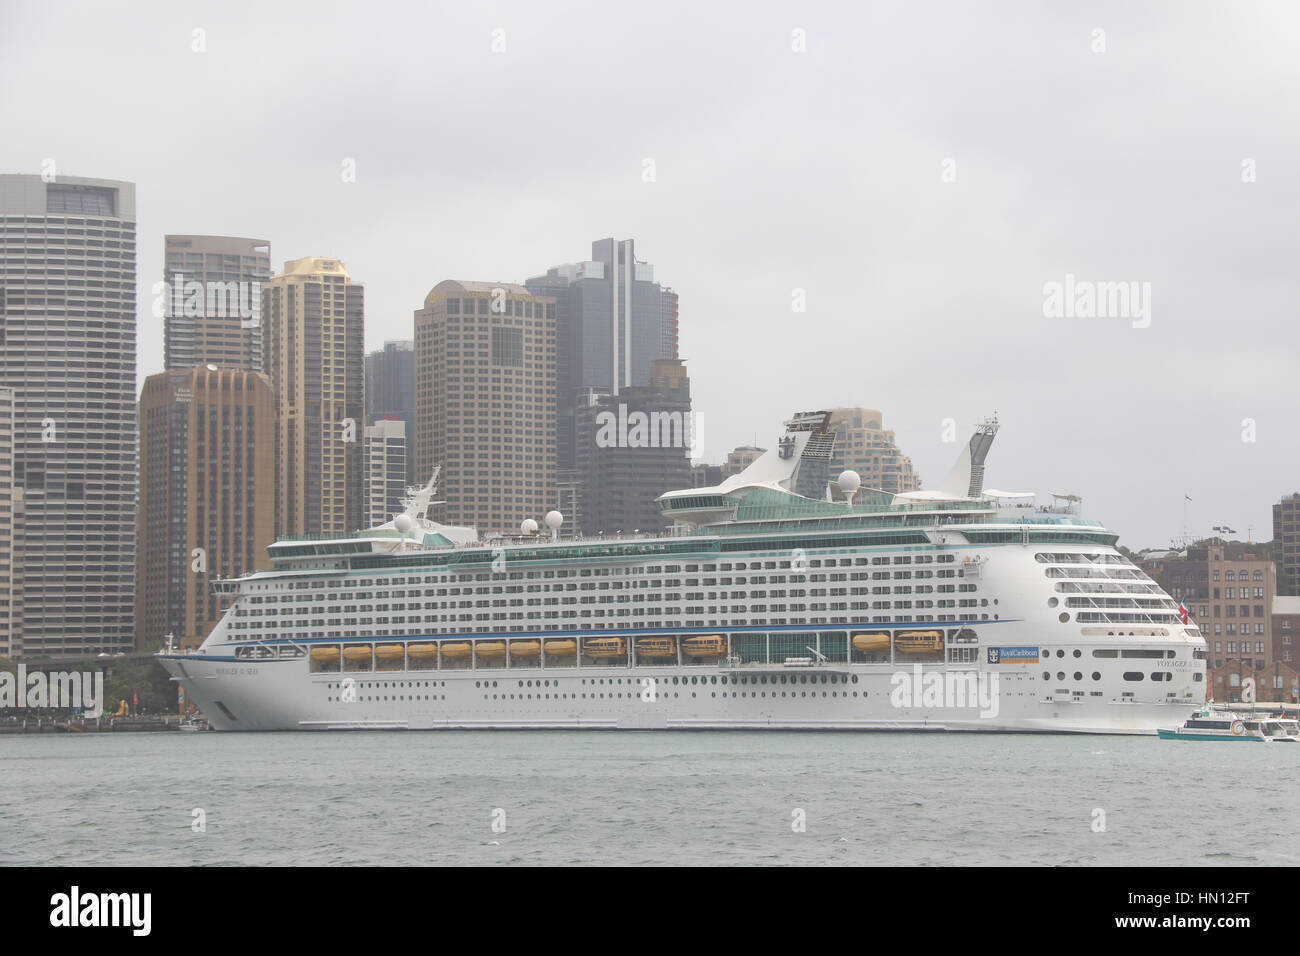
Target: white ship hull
[(281, 695)]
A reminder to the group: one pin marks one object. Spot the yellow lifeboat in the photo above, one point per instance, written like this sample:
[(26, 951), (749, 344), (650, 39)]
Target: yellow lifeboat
[(705, 645), (423, 650), (919, 642), (605, 648), (390, 652), (490, 649), (455, 652), (561, 648), (525, 648), (871, 641), (326, 654), (657, 647), (358, 652)]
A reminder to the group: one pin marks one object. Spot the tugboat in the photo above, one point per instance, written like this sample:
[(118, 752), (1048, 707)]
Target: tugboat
[(1211, 724)]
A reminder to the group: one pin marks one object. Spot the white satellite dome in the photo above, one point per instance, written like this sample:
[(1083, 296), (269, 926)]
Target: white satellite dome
[(849, 481), (403, 523), (554, 519), (528, 526)]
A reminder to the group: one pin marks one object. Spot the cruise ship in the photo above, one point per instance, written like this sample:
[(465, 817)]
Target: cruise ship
[(782, 598)]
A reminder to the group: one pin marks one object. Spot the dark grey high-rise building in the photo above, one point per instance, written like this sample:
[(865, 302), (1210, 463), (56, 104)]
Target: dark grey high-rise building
[(631, 448), (211, 301), (609, 328), (67, 349), (390, 393), (1286, 544)]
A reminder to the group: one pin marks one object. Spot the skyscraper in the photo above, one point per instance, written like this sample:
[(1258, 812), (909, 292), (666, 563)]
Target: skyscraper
[(609, 327), (390, 392), (67, 349), (485, 402), (385, 464), (211, 301), (207, 495), (313, 316), (668, 324), (1286, 543), (11, 581), (632, 447)]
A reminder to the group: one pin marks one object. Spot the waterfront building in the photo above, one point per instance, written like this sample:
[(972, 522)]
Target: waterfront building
[(212, 301), (865, 446), (1228, 590), (385, 469), (207, 496), (1286, 539), (610, 326), (67, 351), (390, 393), (314, 340), (631, 446), (485, 402)]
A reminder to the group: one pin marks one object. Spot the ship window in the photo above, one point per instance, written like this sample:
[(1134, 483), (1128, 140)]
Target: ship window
[(1096, 675), (1133, 675)]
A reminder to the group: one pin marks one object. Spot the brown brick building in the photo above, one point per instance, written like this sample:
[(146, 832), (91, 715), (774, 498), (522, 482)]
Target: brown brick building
[(207, 496)]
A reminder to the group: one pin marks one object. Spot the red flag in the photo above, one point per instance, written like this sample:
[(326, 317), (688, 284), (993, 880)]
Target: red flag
[(1182, 611), (135, 700)]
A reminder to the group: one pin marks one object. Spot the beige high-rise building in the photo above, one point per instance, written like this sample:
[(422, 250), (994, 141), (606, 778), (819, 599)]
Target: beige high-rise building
[(11, 502), (740, 458), (207, 495), (485, 402), (865, 446), (313, 343)]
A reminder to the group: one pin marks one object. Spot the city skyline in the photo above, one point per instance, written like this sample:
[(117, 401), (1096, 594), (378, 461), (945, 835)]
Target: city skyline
[(945, 277)]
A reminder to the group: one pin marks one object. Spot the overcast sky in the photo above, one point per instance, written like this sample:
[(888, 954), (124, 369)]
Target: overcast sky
[(921, 170)]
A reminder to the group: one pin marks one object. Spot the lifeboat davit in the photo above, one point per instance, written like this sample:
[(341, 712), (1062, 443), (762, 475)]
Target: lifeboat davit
[(919, 642), (705, 645), (657, 647), (525, 648), (604, 648), (327, 654), (871, 642), (561, 648)]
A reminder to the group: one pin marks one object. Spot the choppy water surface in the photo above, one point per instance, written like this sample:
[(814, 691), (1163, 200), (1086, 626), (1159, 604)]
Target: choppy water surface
[(644, 798)]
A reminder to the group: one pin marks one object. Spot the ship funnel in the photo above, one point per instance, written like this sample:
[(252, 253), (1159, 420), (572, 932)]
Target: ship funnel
[(966, 480)]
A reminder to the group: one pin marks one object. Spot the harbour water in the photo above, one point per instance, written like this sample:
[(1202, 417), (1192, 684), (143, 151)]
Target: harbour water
[(567, 798)]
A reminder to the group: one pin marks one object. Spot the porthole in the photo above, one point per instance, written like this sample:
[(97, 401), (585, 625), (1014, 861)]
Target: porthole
[(1078, 653), (1065, 617), (1060, 675), (1078, 675), (1096, 675)]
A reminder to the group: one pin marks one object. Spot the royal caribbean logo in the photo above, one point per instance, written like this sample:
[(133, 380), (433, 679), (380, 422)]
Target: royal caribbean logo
[(1013, 655)]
